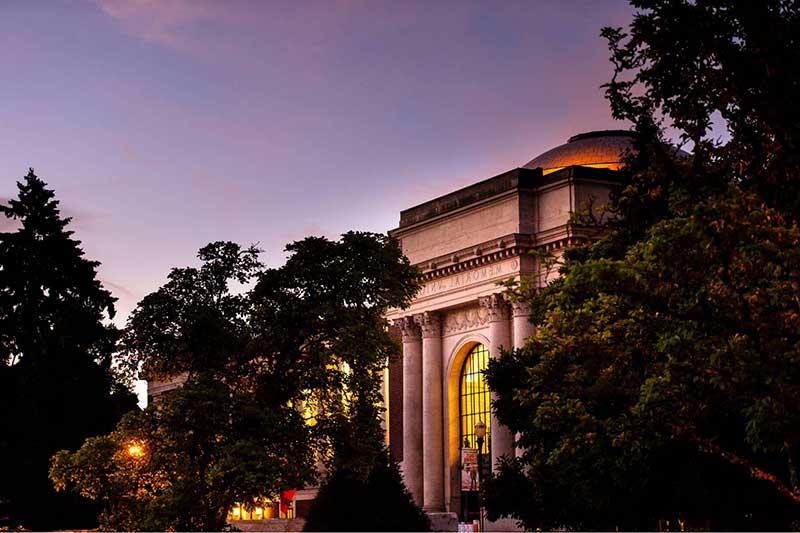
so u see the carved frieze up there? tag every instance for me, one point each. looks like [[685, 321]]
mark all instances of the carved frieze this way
[[465, 319]]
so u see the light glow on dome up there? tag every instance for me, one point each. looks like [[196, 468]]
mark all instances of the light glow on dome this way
[[597, 149]]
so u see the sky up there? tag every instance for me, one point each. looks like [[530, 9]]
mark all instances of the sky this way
[[163, 125]]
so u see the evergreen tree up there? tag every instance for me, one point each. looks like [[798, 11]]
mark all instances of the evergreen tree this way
[[55, 357]]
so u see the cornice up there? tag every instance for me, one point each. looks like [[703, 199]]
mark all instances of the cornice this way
[[484, 253], [495, 250]]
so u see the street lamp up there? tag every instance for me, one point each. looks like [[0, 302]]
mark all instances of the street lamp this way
[[480, 433]]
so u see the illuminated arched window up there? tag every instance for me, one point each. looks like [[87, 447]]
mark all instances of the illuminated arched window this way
[[474, 397]]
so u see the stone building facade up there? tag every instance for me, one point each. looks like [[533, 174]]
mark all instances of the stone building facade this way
[[465, 243]]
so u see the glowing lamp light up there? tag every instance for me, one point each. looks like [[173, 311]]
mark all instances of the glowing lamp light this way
[[480, 429], [237, 512], [135, 450]]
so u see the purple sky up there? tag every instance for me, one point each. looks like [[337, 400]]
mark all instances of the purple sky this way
[[163, 125]]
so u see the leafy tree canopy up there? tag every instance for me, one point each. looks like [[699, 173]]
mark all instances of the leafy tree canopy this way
[[184, 462], [661, 381], [321, 320], [275, 377]]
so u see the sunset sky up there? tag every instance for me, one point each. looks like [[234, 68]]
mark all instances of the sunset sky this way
[[163, 125]]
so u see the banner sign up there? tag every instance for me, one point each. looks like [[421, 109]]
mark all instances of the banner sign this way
[[469, 469]]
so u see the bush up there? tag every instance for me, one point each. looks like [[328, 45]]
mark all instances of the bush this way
[[380, 502]]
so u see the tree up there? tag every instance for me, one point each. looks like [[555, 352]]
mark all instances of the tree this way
[[640, 369], [274, 378], [380, 502], [321, 317], [660, 383], [324, 309], [183, 463], [738, 62], [56, 346], [219, 438]]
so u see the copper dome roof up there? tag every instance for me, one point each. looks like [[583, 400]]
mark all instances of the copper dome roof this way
[[598, 149]]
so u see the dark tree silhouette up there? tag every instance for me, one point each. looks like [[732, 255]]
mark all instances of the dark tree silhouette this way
[[55, 358]]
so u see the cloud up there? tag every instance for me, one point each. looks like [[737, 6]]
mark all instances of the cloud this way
[[119, 291], [164, 22], [126, 300]]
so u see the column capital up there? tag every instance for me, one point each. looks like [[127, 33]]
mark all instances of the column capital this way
[[430, 323], [408, 328], [520, 309], [497, 306]]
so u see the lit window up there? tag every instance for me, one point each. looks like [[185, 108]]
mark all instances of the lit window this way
[[263, 510], [474, 398]]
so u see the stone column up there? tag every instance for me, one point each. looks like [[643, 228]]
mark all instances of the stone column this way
[[499, 339], [432, 422], [523, 328], [411, 465]]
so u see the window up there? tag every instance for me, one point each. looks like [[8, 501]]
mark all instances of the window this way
[[239, 512], [474, 398], [266, 510]]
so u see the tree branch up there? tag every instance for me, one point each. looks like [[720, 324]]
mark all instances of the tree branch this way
[[712, 448]]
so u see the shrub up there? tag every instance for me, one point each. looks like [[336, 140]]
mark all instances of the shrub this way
[[380, 502]]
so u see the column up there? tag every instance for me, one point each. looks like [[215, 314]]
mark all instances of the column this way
[[499, 339], [411, 465], [523, 328], [432, 422]]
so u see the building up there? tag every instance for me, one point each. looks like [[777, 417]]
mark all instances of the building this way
[[466, 242]]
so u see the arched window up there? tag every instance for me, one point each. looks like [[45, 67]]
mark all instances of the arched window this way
[[474, 398]]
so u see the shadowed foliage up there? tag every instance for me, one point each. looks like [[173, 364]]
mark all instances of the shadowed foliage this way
[[380, 502], [661, 383]]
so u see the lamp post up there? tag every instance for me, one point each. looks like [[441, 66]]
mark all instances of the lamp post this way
[[480, 433]]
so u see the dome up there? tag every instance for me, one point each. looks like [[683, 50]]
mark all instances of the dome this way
[[597, 149]]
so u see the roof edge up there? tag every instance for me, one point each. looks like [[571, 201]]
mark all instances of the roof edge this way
[[509, 180], [601, 133]]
